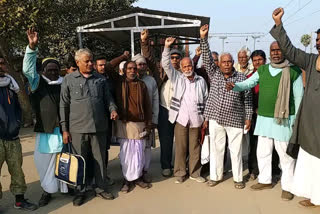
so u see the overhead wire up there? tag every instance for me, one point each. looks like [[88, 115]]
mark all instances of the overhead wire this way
[[297, 11], [303, 17]]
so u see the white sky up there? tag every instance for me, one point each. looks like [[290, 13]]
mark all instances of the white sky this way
[[243, 16]]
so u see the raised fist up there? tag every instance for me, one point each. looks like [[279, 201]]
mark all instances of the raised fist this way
[[144, 35], [169, 41], [204, 31], [277, 15]]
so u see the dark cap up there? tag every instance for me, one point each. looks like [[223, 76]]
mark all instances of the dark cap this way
[[175, 51]]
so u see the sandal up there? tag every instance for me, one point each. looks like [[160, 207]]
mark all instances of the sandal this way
[[212, 183], [239, 185]]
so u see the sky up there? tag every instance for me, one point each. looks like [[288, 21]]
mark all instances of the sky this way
[[246, 16]]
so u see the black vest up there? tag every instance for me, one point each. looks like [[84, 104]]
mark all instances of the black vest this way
[[45, 102]]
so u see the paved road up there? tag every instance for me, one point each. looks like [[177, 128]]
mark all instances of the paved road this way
[[165, 197]]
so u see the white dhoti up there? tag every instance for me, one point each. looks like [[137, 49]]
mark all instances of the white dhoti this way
[[306, 180], [45, 164], [217, 150], [132, 158], [264, 156]]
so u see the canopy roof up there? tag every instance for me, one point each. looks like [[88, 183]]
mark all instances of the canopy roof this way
[[122, 26]]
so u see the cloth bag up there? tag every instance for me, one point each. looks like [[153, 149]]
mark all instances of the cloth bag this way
[[70, 168]]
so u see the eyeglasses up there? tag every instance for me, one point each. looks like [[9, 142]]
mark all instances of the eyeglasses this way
[[176, 57]]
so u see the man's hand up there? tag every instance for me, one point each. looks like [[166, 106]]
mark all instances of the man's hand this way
[[205, 124], [126, 54], [198, 51], [33, 38], [144, 35], [229, 86], [204, 31], [114, 115], [66, 136], [248, 125], [169, 41], [277, 15]]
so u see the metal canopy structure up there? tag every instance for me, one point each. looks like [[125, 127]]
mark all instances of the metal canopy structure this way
[[122, 26]]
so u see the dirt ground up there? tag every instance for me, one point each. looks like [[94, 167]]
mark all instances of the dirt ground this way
[[165, 197]]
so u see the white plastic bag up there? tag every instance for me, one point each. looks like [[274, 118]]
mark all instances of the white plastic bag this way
[[205, 150]]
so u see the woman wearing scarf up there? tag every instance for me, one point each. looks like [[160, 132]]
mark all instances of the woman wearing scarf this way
[[133, 126], [45, 89]]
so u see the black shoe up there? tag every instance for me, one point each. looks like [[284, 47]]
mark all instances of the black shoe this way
[[105, 195], [45, 199], [79, 199], [25, 205]]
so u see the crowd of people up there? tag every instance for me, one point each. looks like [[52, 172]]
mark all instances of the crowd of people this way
[[270, 108]]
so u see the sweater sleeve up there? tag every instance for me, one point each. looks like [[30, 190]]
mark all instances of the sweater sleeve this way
[[64, 105], [210, 67], [155, 102], [166, 65], [297, 92], [29, 68], [293, 54]]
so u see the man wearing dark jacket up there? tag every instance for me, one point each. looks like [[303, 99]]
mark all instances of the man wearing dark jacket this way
[[10, 147], [306, 130]]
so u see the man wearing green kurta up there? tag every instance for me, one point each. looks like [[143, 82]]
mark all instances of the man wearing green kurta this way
[[306, 131]]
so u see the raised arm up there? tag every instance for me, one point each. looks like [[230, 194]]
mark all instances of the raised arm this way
[[116, 61], [29, 67], [207, 59], [148, 53], [165, 60], [293, 54], [196, 57]]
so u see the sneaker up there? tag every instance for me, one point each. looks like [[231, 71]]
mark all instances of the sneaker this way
[[167, 173], [45, 199], [79, 199], [105, 195], [198, 179], [286, 196], [180, 180], [142, 184], [307, 203], [146, 177], [25, 205], [260, 186]]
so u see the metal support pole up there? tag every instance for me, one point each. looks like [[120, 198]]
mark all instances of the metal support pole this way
[[132, 43], [80, 40]]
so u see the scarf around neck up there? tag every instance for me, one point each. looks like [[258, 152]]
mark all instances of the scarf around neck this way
[[281, 110], [8, 80], [55, 82]]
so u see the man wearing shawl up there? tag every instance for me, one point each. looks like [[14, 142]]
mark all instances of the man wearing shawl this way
[[45, 87], [133, 126], [306, 131], [280, 94]]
